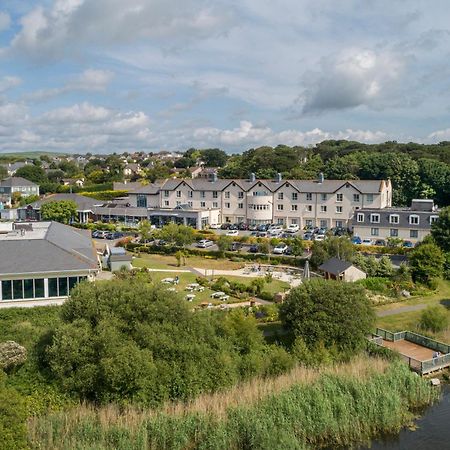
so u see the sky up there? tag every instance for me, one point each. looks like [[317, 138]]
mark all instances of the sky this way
[[106, 76]]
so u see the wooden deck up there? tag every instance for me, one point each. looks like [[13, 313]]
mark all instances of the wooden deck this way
[[410, 349]]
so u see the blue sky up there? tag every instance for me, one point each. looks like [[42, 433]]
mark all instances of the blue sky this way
[[114, 75]]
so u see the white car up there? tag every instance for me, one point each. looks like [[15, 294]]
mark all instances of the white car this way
[[366, 242], [205, 243], [319, 237], [232, 233], [280, 249], [293, 228], [214, 226]]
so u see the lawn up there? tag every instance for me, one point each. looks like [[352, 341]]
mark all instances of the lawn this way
[[170, 262], [273, 287]]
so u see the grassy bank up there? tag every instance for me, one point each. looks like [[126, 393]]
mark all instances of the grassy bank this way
[[301, 410]]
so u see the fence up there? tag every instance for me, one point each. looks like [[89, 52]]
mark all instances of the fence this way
[[427, 342], [435, 363], [389, 336]]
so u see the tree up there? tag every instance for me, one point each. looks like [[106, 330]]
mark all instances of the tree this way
[[214, 157], [434, 318], [339, 247], [32, 173], [224, 243], [297, 246], [3, 172], [180, 235], [440, 229], [426, 262], [145, 229], [63, 211], [333, 312]]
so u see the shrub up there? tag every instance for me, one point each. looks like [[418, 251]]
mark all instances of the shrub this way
[[434, 318]]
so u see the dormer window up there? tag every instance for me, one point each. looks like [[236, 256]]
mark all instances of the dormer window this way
[[414, 219], [394, 218], [360, 217], [375, 218]]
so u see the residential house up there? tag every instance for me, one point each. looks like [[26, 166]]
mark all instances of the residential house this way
[[10, 185], [337, 269]]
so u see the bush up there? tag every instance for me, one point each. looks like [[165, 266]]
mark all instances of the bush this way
[[377, 285], [434, 318]]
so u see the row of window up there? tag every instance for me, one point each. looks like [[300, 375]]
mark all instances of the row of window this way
[[35, 288], [393, 232], [294, 195], [413, 219]]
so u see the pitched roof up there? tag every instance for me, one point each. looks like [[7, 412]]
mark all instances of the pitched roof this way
[[83, 203], [335, 266], [49, 247], [16, 181]]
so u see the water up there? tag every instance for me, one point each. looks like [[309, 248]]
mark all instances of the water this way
[[432, 433]]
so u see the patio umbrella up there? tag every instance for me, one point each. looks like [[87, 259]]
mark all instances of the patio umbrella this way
[[306, 272]]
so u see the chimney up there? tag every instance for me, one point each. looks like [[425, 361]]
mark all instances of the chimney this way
[[321, 177], [278, 178], [252, 178]]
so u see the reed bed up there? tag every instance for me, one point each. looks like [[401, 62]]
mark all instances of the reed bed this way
[[304, 409]]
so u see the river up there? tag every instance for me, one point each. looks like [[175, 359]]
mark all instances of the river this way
[[432, 433]]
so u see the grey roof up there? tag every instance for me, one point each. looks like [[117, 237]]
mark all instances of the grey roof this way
[[117, 251], [119, 210], [126, 186], [146, 189], [335, 266], [403, 214], [83, 203], [61, 248], [16, 181]]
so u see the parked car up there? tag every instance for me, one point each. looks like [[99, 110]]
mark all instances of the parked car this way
[[234, 226], [322, 230], [254, 248], [274, 232], [339, 231], [253, 227], [356, 240], [319, 237], [408, 244], [235, 246], [279, 249], [380, 242], [262, 234], [288, 251], [225, 226], [205, 243], [293, 228], [366, 242], [102, 234], [215, 226], [243, 226], [307, 236], [94, 234], [232, 232]]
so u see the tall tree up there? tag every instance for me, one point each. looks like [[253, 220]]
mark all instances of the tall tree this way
[[440, 229], [63, 211], [32, 173]]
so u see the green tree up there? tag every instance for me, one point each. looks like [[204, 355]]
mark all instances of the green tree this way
[[297, 246], [434, 318], [63, 211], [32, 173], [3, 172], [332, 312], [145, 229], [334, 246], [440, 229], [426, 262], [214, 157], [224, 243]]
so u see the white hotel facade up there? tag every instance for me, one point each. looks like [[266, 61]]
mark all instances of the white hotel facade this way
[[323, 203]]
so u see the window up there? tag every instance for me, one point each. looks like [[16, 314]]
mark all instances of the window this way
[[53, 287], [356, 197], [339, 209], [72, 283], [375, 218], [141, 201], [6, 290], [280, 196], [28, 288], [280, 221], [178, 194], [227, 194], [374, 231], [280, 207], [309, 208], [240, 205], [17, 289], [369, 198], [166, 193], [240, 194], [323, 224], [215, 205], [227, 205], [202, 204], [190, 204], [177, 203], [339, 197], [62, 285], [414, 220], [433, 219], [393, 218], [339, 223], [323, 208], [323, 197], [166, 203], [394, 232], [360, 217], [39, 288], [308, 222], [294, 207], [202, 194], [308, 197], [295, 196], [414, 234], [215, 194], [190, 194]]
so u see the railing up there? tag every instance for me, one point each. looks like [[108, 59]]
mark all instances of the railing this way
[[427, 342], [389, 336], [435, 363], [376, 339]]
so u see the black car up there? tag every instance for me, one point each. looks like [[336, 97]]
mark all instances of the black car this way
[[225, 226], [233, 226], [254, 248], [243, 226]]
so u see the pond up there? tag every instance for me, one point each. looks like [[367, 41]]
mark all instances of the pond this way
[[432, 433]]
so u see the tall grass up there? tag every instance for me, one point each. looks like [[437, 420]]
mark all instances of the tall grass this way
[[301, 410]]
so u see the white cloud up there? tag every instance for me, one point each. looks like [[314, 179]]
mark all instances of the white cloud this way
[[9, 82], [69, 24], [5, 21]]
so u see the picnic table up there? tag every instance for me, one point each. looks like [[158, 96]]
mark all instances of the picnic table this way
[[217, 294]]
